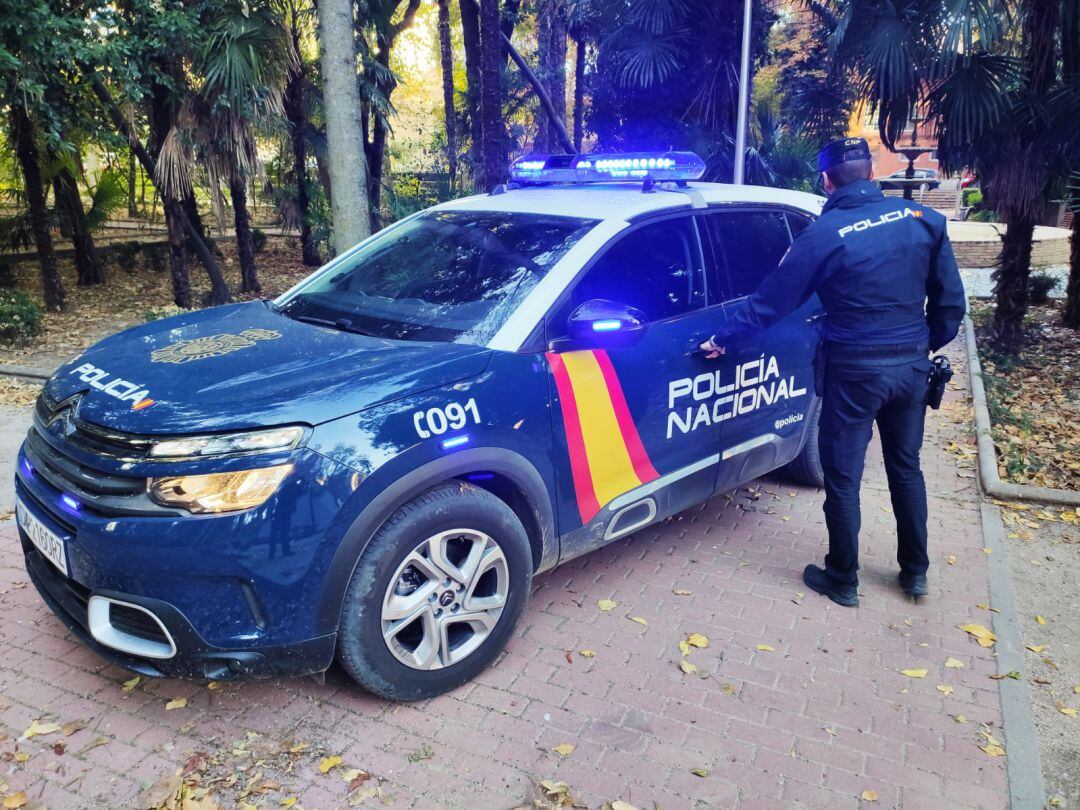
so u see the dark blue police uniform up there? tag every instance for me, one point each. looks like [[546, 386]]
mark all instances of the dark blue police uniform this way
[[885, 273]]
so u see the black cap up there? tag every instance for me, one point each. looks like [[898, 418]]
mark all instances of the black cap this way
[[842, 151]]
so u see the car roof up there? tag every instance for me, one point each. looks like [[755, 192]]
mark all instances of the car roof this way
[[627, 201]]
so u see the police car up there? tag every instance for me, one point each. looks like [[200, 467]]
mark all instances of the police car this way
[[375, 465]]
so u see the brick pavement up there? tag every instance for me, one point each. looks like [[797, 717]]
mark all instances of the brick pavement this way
[[816, 720]]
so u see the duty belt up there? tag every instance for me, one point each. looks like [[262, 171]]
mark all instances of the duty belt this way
[[840, 351]]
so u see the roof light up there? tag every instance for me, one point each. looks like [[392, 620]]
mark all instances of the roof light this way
[[599, 168]]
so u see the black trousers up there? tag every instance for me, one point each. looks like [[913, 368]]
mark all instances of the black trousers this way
[[857, 394]]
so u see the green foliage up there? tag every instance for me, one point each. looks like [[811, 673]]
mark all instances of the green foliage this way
[[972, 197], [157, 313], [107, 197], [982, 215], [20, 317], [124, 254], [1040, 287], [258, 239]]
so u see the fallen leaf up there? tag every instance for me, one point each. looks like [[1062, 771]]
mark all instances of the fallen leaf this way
[[914, 673], [215, 685], [1077, 689], [129, 685], [569, 655], [951, 559], [72, 727], [987, 550], [301, 746], [687, 667], [95, 743], [21, 756], [607, 605], [15, 800], [954, 663], [985, 637], [289, 802], [987, 607], [993, 750], [702, 772], [765, 648], [959, 718], [1036, 648], [587, 654], [37, 729], [869, 796], [327, 763], [697, 640], [165, 792], [727, 688], [684, 647], [176, 703], [564, 749], [639, 620], [1067, 710], [619, 804], [945, 689], [681, 592]]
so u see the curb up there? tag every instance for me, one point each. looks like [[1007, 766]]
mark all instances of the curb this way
[[989, 479], [1026, 788], [25, 373]]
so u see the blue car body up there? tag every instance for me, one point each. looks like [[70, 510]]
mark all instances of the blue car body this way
[[586, 444]]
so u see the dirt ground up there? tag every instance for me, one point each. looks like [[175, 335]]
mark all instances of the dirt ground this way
[[1046, 580]]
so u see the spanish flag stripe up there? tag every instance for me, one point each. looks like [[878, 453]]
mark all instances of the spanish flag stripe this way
[[609, 462], [638, 456], [579, 462]]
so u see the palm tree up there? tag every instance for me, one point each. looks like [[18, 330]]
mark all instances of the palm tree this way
[[296, 112], [446, 64]]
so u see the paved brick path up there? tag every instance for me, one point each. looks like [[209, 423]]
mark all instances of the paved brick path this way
[[817, 720]]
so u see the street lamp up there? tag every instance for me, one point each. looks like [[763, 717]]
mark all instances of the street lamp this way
[[739, 175]]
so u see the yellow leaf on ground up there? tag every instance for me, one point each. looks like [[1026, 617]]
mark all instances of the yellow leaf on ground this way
[[954, 663], [681, 592], [15, 800], [914, 673], [987, 549], [959, 718], [327, 763], [702, 772], [697, 640], [765, 648], [619, 804], [1040, 619], [639, 620], [1067, 710], [289, 802], [993, 750], [176, 703], [129, 685], [350, 774], [21, 756], [869, 796], [687, 667], [945, 689], [951, 559], [72, 727], [1036, 647], [684, 647], [564, 749], [727, 688], [300, 746], [1077, 689], [985, 637], [587, 654], [37, 729], [607, 605]]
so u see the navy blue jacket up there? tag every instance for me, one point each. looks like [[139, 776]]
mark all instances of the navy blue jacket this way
[[882, 266]]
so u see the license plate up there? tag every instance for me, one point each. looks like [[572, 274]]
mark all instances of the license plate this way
[[48, 542]]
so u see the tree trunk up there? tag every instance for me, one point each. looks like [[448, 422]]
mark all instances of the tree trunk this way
[[470, 39], [178, 272], [551, 48], [1011, 285], [87, 262], [132, 210], [579, 90], [295, 105], [507, 23], [27, 153], [245, 244], [446, 61], [377, 152], [344, 132], [493, 132], [1071, 315]]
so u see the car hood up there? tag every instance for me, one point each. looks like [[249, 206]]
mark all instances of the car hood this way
[[245, 365]]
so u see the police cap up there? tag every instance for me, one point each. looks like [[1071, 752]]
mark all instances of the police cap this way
[[842, 151]]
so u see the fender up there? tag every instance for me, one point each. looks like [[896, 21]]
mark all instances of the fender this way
[[410, 484]]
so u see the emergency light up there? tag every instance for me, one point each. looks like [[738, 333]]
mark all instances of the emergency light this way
[[600, 168]]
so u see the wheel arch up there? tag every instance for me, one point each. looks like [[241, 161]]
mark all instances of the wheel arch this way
[[513, 479]]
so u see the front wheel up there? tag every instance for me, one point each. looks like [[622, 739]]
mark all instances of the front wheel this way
[[806, 467], [436, 594]]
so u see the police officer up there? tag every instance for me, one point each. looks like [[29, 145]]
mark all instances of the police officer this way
[[885, 273]]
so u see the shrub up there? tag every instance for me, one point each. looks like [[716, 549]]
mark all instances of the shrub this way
[[124, 254], [1041, 286], [258, 239], [972, 197], [7, 271], [157, 257], [20, 317], [982, 215]]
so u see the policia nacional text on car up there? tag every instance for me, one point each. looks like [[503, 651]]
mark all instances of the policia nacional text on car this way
[[885, 273]]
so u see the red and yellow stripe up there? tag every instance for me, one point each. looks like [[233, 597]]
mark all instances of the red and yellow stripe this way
[[607, 457]]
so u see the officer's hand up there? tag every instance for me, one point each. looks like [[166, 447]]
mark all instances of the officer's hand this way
[[712, 351]]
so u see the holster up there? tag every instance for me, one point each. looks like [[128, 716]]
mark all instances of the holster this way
[[940, 374]]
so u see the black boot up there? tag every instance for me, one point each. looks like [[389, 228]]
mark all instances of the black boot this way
[[817, 579], [913, 584]]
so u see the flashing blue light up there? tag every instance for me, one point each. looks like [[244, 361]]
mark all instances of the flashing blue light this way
[[607, 326], [598, 168], [456, 441], [70, 502]]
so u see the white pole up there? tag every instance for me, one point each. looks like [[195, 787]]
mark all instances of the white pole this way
[[744, 92]]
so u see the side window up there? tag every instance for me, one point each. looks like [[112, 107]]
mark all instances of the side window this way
[[797, 223], [655, 268], [748, 245]]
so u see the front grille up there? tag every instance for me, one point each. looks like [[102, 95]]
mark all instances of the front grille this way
[[92, 438], [136, 623]]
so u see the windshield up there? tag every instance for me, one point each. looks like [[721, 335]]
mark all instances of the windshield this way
[[452, 276]]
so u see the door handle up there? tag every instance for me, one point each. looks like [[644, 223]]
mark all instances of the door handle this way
[[816, 317]]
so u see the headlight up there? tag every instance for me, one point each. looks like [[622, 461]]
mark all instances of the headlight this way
[[218, 492], [284, 438]]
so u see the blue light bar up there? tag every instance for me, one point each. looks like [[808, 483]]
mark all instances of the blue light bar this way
[[456, 441], [607, 326], [600, 168]]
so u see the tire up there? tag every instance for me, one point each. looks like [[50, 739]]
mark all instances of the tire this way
[[806, 467], [437, 636]]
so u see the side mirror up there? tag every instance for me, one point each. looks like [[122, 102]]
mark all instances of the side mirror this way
[[602, 324]]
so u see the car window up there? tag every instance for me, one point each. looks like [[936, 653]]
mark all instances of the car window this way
[[797, 223], [748, 245], [453, 276], [654, 268]]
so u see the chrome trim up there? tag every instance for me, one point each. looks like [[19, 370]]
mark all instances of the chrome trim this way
[[613, 533], [637, 493], [750, 444], [101, 628]]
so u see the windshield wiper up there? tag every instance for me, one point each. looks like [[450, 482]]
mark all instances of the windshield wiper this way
[[341, 324]]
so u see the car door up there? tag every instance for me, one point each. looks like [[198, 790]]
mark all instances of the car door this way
[[630, 444], [767, 378]]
